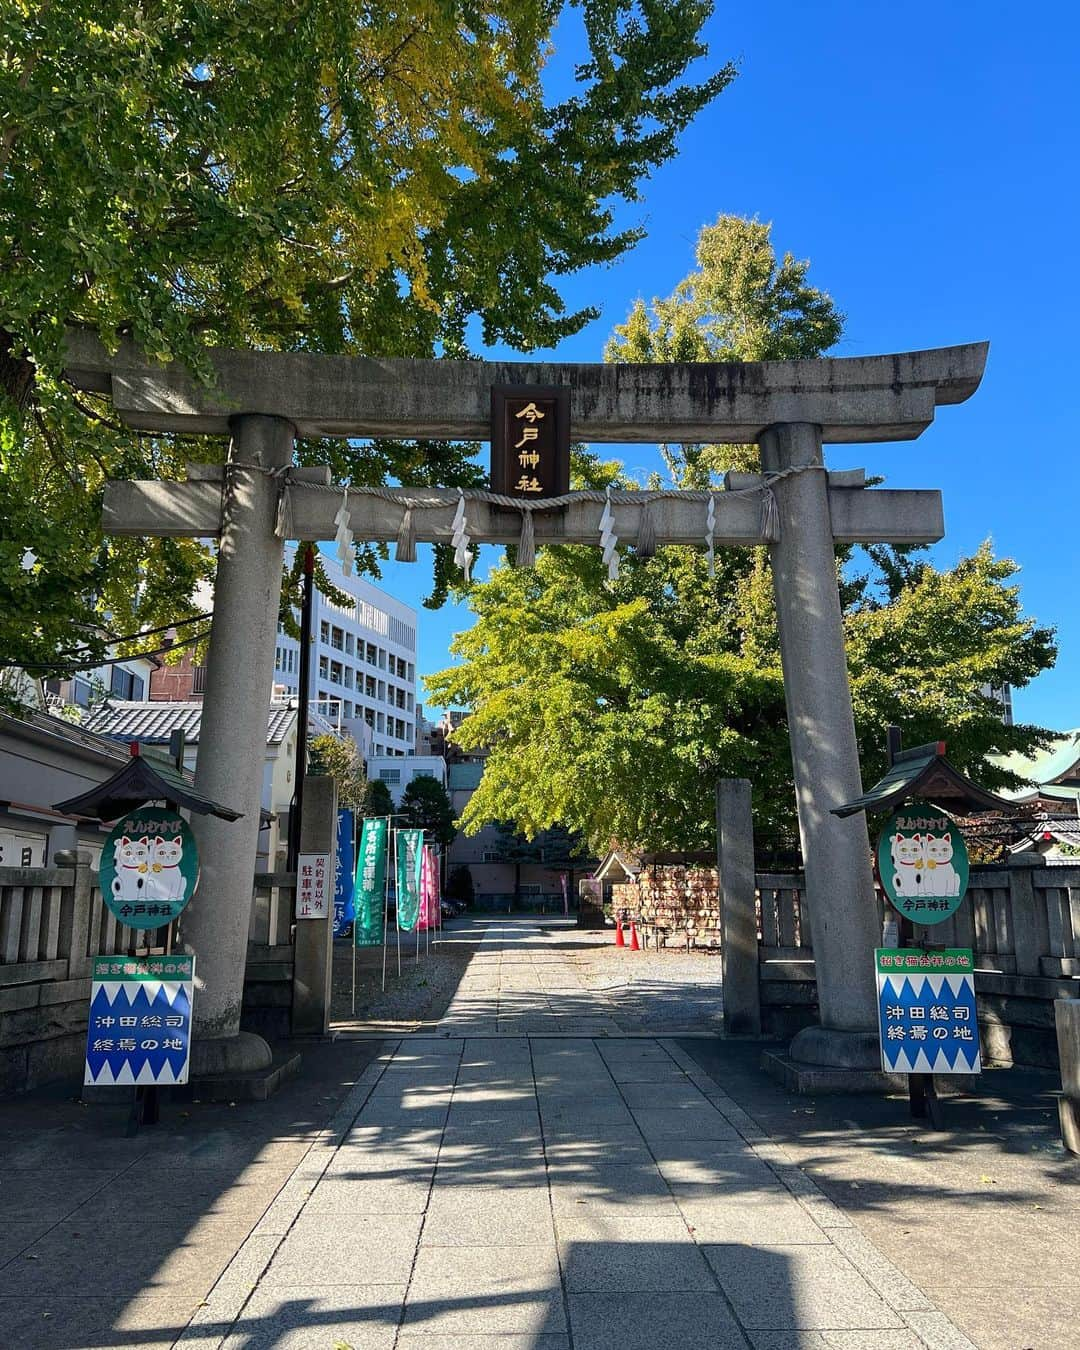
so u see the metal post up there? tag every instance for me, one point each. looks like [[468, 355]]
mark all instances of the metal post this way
[[304, 695]]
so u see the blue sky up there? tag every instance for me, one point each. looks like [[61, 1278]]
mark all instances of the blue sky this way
[[924, 157]]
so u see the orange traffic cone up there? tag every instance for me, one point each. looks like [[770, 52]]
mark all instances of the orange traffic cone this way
[[635, 945], [619, 939]]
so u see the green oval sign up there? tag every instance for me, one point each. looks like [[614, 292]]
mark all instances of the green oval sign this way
[[923, 863], [149, 867]]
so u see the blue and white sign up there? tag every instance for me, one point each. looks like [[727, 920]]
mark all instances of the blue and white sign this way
[[927, 1017], [344, 879], [139, 1029]]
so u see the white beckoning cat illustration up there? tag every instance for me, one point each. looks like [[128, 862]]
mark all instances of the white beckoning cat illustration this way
[[166, 881], [132, 868], [909, 864], [942, 877]]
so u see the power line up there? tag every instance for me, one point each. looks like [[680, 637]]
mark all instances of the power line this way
[[147, 632], [106, 661]]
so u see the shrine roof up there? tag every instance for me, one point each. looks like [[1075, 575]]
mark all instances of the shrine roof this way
[[145, 777], [923, 771]]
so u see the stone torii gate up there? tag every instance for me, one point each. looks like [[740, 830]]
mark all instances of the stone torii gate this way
[[264, 400]]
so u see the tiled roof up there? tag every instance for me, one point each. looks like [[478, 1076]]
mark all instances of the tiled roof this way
[[923, 771], [153, 723], [1060, 761]]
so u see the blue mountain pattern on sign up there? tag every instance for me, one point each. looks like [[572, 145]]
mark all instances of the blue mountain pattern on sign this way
[[139, 1026], [935, 1015]]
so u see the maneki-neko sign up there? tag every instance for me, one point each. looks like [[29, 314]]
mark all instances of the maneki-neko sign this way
[[149, 867], [922, 863]]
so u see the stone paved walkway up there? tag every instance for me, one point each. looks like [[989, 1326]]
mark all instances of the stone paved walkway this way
[[547, 977], [505, 1185], [553, 1192]]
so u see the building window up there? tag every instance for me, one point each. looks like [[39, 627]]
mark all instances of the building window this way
[[369, 718], [324, 667], [198, 680], [491, 855], [349, 645], [337, 639], [423, 773], [390, 776], [380, 724], [348, 677], [335, 672], [371, 655], [126, 685], [324, 632], [346, 709], [369, 686]]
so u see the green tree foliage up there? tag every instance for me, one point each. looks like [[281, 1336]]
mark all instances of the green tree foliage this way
[[339, 757], [612, 708], [329, 177], [425, 805], [377, 799]]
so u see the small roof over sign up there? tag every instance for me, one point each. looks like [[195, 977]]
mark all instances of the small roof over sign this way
[[924, 771], [146, 777]]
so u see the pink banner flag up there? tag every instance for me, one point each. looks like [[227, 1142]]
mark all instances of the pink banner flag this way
[[428, 891]]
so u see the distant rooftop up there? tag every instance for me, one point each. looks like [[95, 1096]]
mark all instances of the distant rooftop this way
[[154, 723], [1060, 763]]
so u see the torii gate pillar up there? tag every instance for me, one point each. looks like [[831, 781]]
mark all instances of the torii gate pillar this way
[[824, 755], [232, 740]]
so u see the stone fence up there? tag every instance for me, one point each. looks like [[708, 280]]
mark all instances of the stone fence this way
[[53, 922], [1021, 920]]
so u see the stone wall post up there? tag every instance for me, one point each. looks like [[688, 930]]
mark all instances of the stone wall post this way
[[824, 755], [738, 910], [1031, 938], [75, 924], [232, 739], [313, 955]]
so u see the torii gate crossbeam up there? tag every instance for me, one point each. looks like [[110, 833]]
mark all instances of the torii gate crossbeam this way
[[264, 400]]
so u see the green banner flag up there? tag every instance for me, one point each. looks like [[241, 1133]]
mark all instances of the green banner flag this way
[[410, 857], [371, 884]]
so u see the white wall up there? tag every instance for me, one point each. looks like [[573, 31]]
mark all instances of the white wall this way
[[397, 772]]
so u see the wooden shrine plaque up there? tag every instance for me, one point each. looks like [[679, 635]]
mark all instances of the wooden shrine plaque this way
[[530, 440]]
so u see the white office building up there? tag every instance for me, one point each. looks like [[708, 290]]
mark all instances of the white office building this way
[[363, 664]]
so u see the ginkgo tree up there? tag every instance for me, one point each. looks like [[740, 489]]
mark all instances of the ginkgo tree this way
[[327, 176], [612, 708]]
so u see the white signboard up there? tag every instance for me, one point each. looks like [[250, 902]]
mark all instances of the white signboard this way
[[314, 886]]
